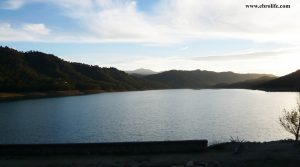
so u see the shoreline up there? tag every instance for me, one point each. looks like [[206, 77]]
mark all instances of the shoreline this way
[[16, 96], [8, 96]]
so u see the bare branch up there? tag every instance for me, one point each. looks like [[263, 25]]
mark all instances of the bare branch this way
[[290, 120]]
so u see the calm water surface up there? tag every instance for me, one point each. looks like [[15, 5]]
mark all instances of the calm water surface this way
[[181, 114]]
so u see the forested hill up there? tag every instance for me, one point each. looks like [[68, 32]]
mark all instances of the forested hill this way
[[37, 71], [290, 82], [200, 79]]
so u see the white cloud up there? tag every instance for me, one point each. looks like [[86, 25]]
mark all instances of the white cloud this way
[[7, 33], [36, 29], [279, 62], [184, 48], [15, 4], [175, 21], [113, 20], [248, 55], [28, 32], [230, 19]]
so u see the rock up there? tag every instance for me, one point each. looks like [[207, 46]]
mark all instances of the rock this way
[[190, 164]]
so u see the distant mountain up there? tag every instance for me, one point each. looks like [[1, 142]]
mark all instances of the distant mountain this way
[[199, 79], [141, 71], [37, 71], [290, 82]]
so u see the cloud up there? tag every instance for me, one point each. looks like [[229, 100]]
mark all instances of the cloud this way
[[279, 62], [7, 33], [15, 4], [28, 32], [36, 29], [184, 48], [176, 21], [114, 20], [230, 19], [246, 56]]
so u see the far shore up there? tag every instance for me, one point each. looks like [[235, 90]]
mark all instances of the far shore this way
[[8, 96], [14, 96]]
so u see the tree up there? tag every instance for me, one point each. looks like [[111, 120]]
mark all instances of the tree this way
[[290, 120]]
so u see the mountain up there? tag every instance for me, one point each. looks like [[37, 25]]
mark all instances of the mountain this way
[[199, 79], [290, 82], [37, 71], [141, 71], [247, 84]]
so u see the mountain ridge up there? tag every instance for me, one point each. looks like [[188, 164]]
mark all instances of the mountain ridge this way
[[35, 71], [289, 82], [199, 78]]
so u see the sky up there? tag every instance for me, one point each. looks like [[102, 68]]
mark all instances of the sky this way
[[160, 35]]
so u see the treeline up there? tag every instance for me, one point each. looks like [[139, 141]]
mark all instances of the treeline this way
[[37, 71]]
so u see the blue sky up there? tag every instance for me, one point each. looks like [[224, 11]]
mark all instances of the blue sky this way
[[156, 34]]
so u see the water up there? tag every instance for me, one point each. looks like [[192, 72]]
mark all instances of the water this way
[[180, 114]]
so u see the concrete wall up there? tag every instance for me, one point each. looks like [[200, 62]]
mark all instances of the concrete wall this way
[[105, 148]]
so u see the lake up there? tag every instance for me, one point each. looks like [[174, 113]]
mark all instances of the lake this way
[[179, 114]]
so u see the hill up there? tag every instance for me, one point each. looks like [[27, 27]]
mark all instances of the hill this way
[[247, 84], [37, 71], [141, 71], [199, 79], [290, 82]]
